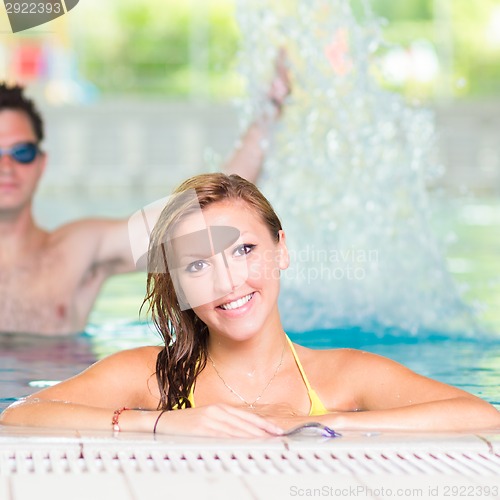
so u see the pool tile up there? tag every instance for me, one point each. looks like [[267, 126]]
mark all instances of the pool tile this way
[[284, 487], [441, 487], [70, 486], [202, 486], [4, 487], [355, 440]]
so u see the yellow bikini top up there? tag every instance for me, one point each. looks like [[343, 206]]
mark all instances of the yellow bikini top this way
[[317, 406]]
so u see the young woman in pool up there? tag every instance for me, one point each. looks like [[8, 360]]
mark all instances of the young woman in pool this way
[[215, 259]]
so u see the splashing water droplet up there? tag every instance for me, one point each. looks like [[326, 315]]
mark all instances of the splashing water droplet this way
[[347, 173]]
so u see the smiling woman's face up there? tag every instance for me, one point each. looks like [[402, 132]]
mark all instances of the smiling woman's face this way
[[228, 266]]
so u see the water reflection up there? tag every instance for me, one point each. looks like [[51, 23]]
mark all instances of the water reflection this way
[[28, 362]]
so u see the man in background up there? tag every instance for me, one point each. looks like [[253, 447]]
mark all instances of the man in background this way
[[50, 280]]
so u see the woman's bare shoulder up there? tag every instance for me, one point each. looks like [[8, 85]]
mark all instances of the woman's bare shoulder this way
[[343, 362], [137, 358], [130, 364], [334, 355], [125, 378], [340, 376]]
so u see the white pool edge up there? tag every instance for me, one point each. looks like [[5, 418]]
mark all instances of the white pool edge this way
[[82, 465]]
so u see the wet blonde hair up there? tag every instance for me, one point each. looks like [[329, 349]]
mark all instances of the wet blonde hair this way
[[185, 336]]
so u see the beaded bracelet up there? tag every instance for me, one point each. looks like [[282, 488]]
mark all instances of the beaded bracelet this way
[[116, 418]]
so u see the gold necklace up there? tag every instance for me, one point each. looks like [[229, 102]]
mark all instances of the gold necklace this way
[[252, 404]]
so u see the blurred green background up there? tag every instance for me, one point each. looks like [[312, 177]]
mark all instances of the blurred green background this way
[[107, 73], [189, 48], [436, 50]]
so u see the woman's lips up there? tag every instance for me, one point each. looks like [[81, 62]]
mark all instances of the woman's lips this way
[[237, 303]]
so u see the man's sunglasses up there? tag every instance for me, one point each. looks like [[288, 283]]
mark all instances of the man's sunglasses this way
[[21, 153]]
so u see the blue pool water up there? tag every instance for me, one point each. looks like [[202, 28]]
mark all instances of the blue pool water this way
[[348, 172], [27, 363], [464, 358]]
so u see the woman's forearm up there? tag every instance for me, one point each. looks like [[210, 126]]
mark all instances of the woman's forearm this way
[[66, 415], [457, 414], [213, 420]]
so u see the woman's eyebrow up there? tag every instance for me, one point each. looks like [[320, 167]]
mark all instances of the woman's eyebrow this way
[[203, 243], [248, 233]]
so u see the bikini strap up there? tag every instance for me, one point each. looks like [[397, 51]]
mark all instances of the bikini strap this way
[[299, 365], [191, 396]]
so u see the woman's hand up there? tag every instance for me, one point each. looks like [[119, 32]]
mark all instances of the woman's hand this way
[[219, 420], [286, 417]]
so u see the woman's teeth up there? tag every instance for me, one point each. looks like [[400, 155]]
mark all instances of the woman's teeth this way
[[236, 303]]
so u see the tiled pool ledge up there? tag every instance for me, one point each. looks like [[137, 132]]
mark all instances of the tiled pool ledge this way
[[92, 465]]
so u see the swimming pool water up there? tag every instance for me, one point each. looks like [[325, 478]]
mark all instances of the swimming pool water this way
[[27, 363], [464, 359]]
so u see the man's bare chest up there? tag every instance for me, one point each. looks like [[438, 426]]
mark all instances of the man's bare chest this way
[[36, 296]]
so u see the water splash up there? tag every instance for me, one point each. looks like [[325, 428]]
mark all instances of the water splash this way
[[347, 173]]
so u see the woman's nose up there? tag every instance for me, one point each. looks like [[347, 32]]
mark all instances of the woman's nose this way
[[230, 274], [224, 282]]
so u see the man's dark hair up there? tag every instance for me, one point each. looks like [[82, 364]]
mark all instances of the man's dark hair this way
[[14, 99]]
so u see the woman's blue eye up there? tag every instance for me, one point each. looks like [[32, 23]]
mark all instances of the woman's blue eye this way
[[244, 249], [196, 266], [201, 265]]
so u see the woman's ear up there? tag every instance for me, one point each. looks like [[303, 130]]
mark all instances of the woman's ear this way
[[284, 257]]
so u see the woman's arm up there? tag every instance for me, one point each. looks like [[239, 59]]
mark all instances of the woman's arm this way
[[213, 420], [88, 400], [388, 396], [392, 396], [397, 398], [454, 414], [126, 380]]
